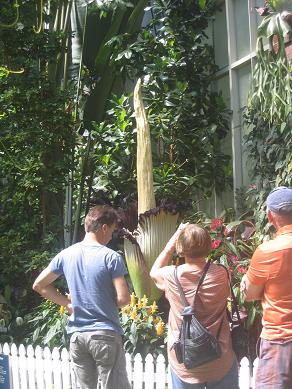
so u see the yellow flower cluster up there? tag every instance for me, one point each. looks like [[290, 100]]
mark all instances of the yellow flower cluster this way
[[159, 328], [139, 311], [62, 308]]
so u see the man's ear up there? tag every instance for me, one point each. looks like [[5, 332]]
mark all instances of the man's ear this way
[[270, 216], [104, 228]]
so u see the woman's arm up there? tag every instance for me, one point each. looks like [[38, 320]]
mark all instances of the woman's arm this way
[[156, 272]]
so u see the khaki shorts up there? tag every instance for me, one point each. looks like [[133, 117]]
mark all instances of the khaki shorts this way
[[275, 364], [99, 354]]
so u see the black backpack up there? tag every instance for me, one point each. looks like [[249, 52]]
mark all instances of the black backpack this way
[[196, 345]]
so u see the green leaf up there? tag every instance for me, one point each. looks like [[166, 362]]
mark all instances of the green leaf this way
[[202, 4], [251, 316]]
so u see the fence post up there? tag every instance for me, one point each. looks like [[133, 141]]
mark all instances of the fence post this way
[[160, 372], [6, 351], [22, 366], [65, 369], [48, 368], [244, 378], [149, 372], [56, 369], [31, 367], [129, 367], [169, 381], [73, 377], [40, 367], [138, 372], [14, 366], [254, 371]]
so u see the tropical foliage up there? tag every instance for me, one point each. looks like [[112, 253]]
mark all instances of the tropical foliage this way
[[187, 120], [37, 136], [50, 149], [233, 245], [269, 117], [45, 326], [144, 328]]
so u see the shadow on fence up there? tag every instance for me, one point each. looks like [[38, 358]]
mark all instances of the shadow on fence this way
[[40, 368]]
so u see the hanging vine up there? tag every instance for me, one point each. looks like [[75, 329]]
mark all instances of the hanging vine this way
[[38, 29], [12, 24]]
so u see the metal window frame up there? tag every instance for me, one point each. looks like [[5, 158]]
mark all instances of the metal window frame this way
[[232, 70]]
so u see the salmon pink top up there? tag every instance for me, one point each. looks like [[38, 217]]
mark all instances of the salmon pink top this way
[[210, 310]]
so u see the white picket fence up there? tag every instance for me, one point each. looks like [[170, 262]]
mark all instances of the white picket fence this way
[[42, 369]]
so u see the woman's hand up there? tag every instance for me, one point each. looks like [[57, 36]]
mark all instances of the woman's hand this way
[[170, 246]]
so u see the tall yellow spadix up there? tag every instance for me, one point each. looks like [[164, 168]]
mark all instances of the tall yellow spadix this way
[[155, 225], [146, 199]]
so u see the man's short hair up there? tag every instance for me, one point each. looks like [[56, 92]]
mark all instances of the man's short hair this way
[[99, 215], [280, 200], [193, 242]]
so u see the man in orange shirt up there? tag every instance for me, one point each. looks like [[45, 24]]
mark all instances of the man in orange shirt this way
[[269, 279]]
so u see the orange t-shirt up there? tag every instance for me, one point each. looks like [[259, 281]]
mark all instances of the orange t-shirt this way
[[271, 266], [210, 310]]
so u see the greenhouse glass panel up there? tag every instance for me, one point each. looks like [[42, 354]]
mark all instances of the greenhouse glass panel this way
[[220, 38], [241, 28]]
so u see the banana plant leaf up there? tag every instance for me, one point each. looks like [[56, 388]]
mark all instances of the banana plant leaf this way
[[96, 54]]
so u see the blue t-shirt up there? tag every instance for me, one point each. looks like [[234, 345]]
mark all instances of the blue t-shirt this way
[[89, 270]]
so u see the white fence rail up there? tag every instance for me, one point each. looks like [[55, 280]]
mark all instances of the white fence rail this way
[[39, 368]]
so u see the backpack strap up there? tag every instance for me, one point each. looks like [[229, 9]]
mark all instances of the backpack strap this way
[[181, 293], [201, 280], [183, 298]]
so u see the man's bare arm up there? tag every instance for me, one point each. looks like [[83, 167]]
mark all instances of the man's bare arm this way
[[251, 291], [123, 295], [43, 286]]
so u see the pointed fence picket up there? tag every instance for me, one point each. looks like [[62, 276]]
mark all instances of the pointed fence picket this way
[[42, 369]]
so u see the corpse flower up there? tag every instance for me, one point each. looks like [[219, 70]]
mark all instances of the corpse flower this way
[[155, 224]]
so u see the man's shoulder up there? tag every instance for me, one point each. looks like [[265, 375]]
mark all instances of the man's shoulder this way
[[70, 249], [275, 244], [109, 253]]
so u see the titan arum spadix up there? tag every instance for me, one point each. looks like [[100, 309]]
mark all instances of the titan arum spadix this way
[[155, 224]]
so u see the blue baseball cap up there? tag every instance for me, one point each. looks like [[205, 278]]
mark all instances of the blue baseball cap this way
[[280, 200]]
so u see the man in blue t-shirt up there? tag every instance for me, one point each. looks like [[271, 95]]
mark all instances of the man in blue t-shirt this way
[[96, 282]]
